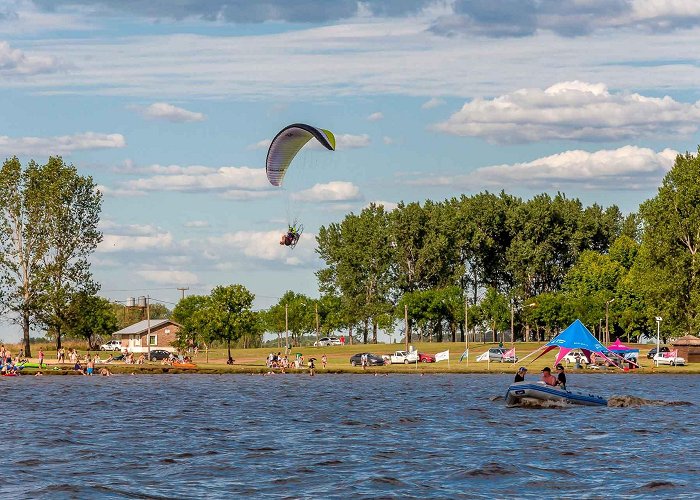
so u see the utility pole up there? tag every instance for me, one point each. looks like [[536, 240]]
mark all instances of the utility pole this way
[[317, 326], [512, 323], [405, 318], [286, 329], [607, 332], [183, 291], [148, 327], [466, 321]]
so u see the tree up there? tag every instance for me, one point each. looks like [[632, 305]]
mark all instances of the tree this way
[[227, 315], [91, 318], [48, 229], [184, 314], [295, 312], [668, 262]]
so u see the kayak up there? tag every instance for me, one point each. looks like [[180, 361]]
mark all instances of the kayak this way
[[543, 392], [187, 366], [10, 375]]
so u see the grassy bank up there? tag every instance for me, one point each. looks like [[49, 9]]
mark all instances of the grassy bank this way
[[253, 361]]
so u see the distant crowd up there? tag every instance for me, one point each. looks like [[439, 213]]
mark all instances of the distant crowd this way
[[283, 363]]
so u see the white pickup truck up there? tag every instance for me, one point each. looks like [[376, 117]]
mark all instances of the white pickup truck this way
[[404, 357]]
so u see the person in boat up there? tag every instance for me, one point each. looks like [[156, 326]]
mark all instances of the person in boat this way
[[520, 375], [548, 378], [561, 376]]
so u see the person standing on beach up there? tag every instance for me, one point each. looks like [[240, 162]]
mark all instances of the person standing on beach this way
[[90, 366], [324, 359], [41, 358], [312, 366]]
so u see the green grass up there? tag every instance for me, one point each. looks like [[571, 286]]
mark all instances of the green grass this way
[[253, 361]]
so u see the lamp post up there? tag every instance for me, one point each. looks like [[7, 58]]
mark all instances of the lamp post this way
[[286, 329], [607, 332], [658, 336]]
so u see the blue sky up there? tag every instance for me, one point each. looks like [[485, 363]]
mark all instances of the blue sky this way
[[170, 105]]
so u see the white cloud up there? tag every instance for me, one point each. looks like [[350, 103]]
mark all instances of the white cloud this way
[[264, 245], [132, 237], [203, 179], [387, 140], [349, 141], [14, 62], [62, 145], [628, 168], [168, 277], [197, 224], [165, 111], [433, 102], [264, 144], [388, 205], [375, 117], [335, 191], [575, 111]]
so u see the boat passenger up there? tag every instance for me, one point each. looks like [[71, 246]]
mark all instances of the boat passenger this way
[[561, 376], [520, 376], [548, 378]]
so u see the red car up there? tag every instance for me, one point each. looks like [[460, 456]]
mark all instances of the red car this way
[[426, 358]]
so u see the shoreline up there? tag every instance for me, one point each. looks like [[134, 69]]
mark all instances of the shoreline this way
[[124, 369]]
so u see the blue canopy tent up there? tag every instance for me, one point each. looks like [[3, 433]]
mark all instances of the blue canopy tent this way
[[576, 336]]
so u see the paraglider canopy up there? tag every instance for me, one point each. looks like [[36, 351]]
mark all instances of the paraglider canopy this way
[[287, 143]]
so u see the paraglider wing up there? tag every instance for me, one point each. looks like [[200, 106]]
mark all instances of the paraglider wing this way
[[287, 144]]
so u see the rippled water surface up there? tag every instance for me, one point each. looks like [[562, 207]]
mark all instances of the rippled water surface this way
[[338, 436]]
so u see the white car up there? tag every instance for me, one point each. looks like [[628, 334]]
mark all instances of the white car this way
[[671, 360], [496, 355], [571, 357], [112, 345], [326, 341], [404, 357]]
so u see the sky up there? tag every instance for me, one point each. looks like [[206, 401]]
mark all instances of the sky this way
[[170, 106]]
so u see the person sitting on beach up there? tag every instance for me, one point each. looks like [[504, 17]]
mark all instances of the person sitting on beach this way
[[229, 361], [548, 378], [520, 376], [78, 368], [109, 359]]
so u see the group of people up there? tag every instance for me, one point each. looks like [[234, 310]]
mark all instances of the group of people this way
[[547, 377], [282, 363]]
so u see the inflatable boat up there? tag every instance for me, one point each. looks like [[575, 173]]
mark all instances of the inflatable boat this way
[[543, 392]]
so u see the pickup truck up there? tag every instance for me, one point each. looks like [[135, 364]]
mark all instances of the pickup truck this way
[[404, 357]]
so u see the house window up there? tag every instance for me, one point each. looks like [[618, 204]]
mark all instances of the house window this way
[[153, 340]]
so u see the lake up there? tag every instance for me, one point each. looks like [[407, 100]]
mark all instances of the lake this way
[[336, 436]]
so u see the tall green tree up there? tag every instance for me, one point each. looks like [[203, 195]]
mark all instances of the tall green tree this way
[[228, 315], [48, 229], [91, 318], [292, 315], [668, 262], [184, 314]]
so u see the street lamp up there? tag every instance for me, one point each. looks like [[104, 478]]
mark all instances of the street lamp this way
[[607, 332], [658, 336]]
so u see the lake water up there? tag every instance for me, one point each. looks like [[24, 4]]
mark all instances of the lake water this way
[[337, 436]]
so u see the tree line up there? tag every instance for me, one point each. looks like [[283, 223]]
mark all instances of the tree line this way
[[464, 265]]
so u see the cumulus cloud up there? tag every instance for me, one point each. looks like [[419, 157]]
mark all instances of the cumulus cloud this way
[[15, 62], [168, 112], [388, 205], [264, 245], [263, 144], [575, 111], [168, 276], [387, 140], [349, 141], [200, 179], [59, 145], [335, 191], [628, 167], [375, 117], [433, 102], [132, 238]]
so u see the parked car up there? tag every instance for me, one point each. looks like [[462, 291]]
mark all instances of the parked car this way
[[326, 341], [571, 357], [426, 358], [159, 354], [112, 345], [652, 352], [662, 359], [372, 359], [404, 357], [495, 354]]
